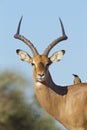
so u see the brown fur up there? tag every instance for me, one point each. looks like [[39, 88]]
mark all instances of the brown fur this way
[[67, 104]]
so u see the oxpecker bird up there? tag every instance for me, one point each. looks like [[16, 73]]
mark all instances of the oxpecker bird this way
[[77, 80]]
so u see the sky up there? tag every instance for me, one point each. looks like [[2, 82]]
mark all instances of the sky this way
[[41, 26]]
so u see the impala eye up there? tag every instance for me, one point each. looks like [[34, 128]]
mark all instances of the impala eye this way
[[32, 64], [48, 64]]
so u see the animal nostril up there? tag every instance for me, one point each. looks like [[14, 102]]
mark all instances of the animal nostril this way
[[41, 75]]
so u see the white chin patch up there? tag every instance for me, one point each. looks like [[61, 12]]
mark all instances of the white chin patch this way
[[38, 85], [40, 79]]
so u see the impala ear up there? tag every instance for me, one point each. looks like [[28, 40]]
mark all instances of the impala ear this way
[[24, 56], [57, 56]]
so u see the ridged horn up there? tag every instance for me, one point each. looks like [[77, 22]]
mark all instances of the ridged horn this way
[[25, 40], [56, 41]]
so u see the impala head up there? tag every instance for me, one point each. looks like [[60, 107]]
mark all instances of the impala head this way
[[40, 63]]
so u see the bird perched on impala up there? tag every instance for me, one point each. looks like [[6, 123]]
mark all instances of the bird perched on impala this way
[[77, 80]]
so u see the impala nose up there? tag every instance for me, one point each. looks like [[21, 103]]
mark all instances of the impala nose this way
[[41, 75]]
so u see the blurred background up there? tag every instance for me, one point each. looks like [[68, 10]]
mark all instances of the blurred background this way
[[19, 108]]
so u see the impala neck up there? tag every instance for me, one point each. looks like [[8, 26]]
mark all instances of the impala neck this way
[[61, 90]]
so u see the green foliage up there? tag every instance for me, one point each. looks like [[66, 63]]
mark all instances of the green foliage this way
[[15, 112]]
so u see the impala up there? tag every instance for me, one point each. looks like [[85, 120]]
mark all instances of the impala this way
[[67, 104]]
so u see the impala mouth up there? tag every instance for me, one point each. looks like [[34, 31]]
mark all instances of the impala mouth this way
[[41, 78]]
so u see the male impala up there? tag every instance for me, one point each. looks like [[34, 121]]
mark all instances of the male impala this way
[[67, 104]]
